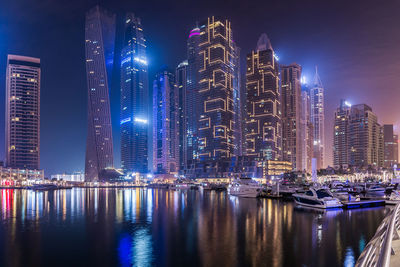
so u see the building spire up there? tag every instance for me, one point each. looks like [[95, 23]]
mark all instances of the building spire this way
[[263, 43], [317, 80]]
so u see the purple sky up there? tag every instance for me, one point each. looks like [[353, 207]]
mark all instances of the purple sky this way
[[354, 43]]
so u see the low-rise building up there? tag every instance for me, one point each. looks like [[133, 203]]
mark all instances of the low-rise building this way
[[75, 177]]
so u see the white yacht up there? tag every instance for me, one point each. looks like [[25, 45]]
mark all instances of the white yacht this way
[[317, 198], [245, 187], [375, 191], [394, 198]]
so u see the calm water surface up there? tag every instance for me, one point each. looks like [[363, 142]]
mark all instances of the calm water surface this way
[[154, 227]]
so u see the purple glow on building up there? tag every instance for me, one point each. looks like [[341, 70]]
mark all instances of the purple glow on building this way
[[195, 31]]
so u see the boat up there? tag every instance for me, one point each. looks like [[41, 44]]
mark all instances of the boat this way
[[394, 198], [284, 190], [317, 198], [245, 187], [375, 191], [205, 186], [341, 194]]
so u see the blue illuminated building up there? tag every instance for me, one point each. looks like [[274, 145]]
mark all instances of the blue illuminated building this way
[[165, 124], [135, 117]]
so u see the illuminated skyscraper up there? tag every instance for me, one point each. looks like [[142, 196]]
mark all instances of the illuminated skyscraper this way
[[340, 135], [263, 121], [218, 91], [396, 148], [291, 113], [390, 146], [99, 51], [181, 84], [318, 119], [365, 137], [165, 124], [23, 112], [134, 98], [306, 132], [192, 101]]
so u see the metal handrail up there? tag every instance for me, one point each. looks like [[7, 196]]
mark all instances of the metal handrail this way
[[379, 248]]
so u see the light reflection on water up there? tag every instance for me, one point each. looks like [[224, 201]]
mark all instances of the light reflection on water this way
[[143, 227]]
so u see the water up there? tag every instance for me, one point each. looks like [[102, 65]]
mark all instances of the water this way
[[154, 227]]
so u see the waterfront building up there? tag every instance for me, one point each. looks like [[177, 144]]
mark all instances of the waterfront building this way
[[16, 174], [306, 132], [181, 75], [365, 137], [291, 112], [99, 52], [340, 135], [23, 112], [263, 131], [217, 92], [396, 148], [192, 101], [75, 177], [390, 146], [358, 137], [135, 118], [318, 119], [165, 124]]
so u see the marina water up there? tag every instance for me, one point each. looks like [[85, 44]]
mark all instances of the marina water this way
[[160, 227]]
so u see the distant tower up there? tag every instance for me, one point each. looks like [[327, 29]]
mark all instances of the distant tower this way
[[263, 115], [99, 50], [23, 112], [291, 113], [365, 137], [390, 146], [340, 135], [217, 91], [181, 75], [306, 131], [135, 118], [165, 124], [192, 101], [318, 119]]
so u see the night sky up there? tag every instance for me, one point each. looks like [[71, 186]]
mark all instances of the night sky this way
[[356, 45]]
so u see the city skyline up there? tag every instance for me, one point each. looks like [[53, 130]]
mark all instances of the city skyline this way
[[74, 164]]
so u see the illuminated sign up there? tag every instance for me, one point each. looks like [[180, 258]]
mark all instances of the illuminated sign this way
[[125, 120], [142, 61], [144, 121]]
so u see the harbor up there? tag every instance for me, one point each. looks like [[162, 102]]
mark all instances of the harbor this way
[[199, 227]]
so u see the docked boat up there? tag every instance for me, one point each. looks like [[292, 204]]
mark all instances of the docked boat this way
[[340, 194], [317, 198], [245, 187], [394, 198], [375, 191]]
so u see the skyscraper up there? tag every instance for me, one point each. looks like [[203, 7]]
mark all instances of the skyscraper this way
[[340, 135], [217, 90], [318, 119], [396, 148], [99, 51], [192, 101], [165, 124], [390, 146], [263, 119], [291, 111], [306, 132], [365, 137], [134, 98], [23, 112], [181, 84]]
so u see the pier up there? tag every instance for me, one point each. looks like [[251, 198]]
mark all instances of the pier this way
[[383, 250]]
